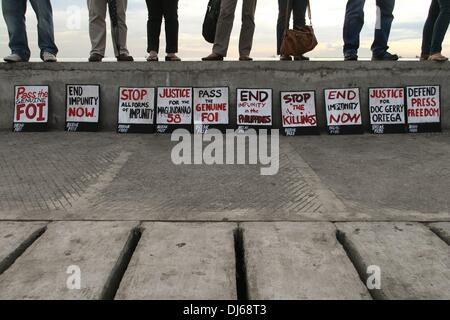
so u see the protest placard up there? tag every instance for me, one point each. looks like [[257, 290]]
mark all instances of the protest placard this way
[[298, 113], [387, 110], [343, 110], [174, 109], [211, 109], [136, 110], [423, 104], [30, 108], [254, 108], [82, 107]]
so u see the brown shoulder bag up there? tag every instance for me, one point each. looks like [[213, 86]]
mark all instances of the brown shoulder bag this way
[[298, 41]]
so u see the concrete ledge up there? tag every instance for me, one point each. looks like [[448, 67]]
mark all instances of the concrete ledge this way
[[281, 76]]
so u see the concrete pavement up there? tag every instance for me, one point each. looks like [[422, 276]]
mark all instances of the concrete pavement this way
[[138, 226]]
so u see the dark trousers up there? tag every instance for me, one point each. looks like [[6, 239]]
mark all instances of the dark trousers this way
[[14, 14], [436, 26], [354, 21], [298, 8], [157, 9]]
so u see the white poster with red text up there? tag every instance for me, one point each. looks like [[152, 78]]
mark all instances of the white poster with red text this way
[[254, 107], [298, 109], [83, 107], [174, 106], [30, 108], [343, 110]]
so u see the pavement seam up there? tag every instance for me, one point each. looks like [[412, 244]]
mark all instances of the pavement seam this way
[[13, 256]]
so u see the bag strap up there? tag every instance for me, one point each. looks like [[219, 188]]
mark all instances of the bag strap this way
[[288, 13], [309, 13]]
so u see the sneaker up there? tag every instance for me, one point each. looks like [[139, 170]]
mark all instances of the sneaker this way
[[350, 57], [213, 57], [13, 58], [49, 57], [385, 57], [437, 57], [95, 57], [125, 58]]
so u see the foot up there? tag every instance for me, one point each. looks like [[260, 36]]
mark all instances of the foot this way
[[245, 58], [172, 57], [385, 57], [95, 57], [49, 57], [125, 58], [350, 57], [13, 58], [424, 56], [301, 58], [437, 57], [285, 58], [213, 57]]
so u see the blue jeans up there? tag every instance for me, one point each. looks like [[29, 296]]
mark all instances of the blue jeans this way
[[354, 21], [14, 14], [436, 26]]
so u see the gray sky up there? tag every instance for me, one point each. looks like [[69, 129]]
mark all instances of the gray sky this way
[[72, 37]]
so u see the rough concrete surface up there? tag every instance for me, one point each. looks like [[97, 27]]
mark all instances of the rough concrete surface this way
[[298, 261], [182, 261], [41, 272], [105, 176], [414, 262], [262, 74], [442, 229], [15, 237]]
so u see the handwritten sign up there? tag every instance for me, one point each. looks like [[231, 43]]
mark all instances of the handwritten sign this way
[[174, 108], [211, 108], [30, 108], [83, 107], [343, 109], [423, 108], [298, 111], [387, 110], [136, 110], [254, 107]]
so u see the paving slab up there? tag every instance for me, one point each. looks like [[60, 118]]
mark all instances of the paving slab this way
[[15, 238], [41, 272], [182, 261], [442, 229], [298, 261], [414, 262]]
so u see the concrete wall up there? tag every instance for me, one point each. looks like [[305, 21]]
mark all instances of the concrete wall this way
[[281, 76]]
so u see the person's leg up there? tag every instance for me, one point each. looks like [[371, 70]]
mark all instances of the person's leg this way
[[428, 28], [97, 26], [299, 12], [281, 23], [248, 27], [14, 14], [385, 17], [155, 13], [354, 21], [224, 27], [46, 33], [171, 25], [440, 27], [120, 30]]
